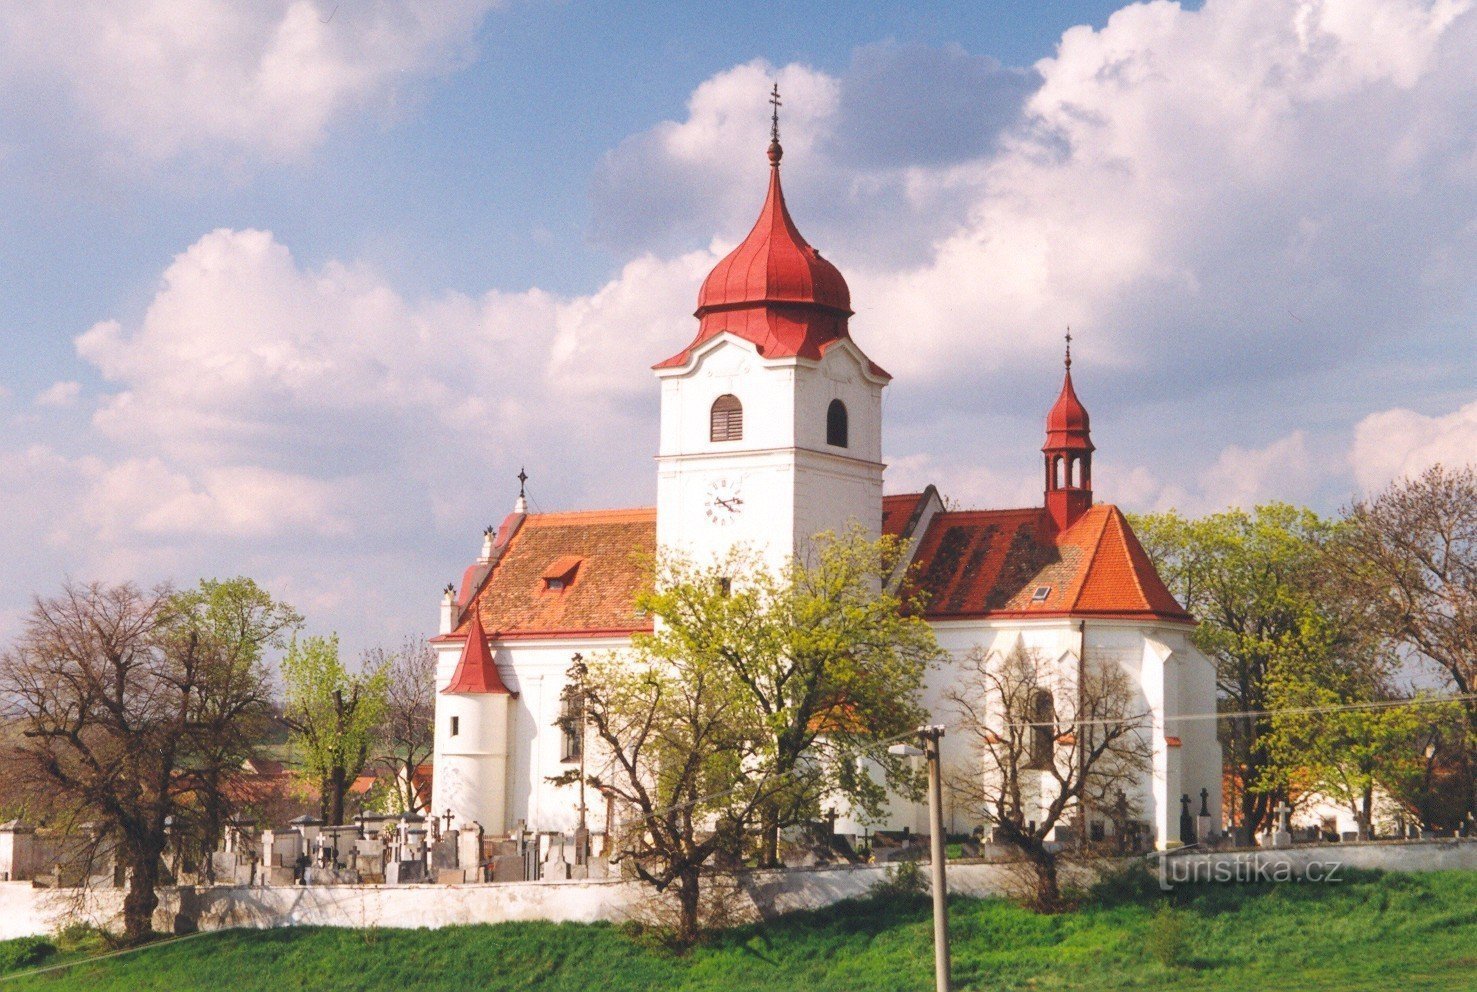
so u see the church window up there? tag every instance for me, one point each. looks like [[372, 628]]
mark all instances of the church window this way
[[456, 725], [836, 424], [570, 724], [1042, 730], [726, 422]]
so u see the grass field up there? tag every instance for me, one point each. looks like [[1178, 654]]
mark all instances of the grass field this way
[[1410, 933]]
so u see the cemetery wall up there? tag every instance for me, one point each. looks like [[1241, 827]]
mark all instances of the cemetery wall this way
[[25, 910]]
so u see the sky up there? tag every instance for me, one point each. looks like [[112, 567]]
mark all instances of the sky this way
[[292, 289]]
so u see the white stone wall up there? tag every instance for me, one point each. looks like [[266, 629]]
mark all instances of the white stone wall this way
[[537, 671], [26, 911], [1159, 657], [1173, 679]]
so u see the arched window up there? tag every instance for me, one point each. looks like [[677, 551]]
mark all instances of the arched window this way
[[726, 423], [836, 424], [1043, 729]]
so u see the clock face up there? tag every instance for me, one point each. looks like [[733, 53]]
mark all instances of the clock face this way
[[724, 502]]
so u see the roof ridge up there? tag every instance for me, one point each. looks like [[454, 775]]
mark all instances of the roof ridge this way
[[616, 515], [1097, 547], [1115, 516]]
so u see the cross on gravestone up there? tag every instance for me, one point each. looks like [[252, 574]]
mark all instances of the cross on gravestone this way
[[1187, 822], [1204, 801], [1284, 812]]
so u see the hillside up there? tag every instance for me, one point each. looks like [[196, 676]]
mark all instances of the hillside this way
[[1413, 933]]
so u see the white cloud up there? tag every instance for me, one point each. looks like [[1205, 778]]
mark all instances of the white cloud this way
[[1285, 469], [1395, 444], [59, 394], [265, 79], [1257, 198]]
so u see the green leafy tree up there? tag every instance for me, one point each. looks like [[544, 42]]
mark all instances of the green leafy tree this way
[[1343, 731], [755, 697], [830, 654], [1257, 582], [334, 715], [233, 623]]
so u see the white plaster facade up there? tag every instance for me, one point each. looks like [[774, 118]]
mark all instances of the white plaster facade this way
[[773, 490], [782, 483]]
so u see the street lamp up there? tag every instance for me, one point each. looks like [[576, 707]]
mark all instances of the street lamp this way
[[929, 737]]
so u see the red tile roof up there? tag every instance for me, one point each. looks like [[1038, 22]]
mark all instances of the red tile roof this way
[[973, 563], [476, 672], [608, 552], [991, 563], [774, 290]]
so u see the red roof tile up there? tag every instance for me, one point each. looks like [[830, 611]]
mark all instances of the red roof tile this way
[[606, 550], [979, 563], [774, 290], [476, 672]]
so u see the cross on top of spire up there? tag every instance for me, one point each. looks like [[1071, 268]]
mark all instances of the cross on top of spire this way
[[775, 151], [522, 478], [1069, 349]]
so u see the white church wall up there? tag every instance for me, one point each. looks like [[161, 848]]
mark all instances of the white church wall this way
[[788, 482], [538, 671]]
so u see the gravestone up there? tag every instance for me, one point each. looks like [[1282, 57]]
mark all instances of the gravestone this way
[[1187, 822], [1282, 836], [1205, 829]]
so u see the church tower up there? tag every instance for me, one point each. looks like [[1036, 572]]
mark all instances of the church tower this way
[[771, 418], [1068, 453]]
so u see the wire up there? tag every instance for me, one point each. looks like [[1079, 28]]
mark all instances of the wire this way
[[1235, 714]]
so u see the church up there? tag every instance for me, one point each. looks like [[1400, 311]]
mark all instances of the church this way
[[771, 433]]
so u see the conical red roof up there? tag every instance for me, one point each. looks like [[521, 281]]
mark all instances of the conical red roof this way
[[774, 264], [774, 289], [1067, 423], [476, 672]]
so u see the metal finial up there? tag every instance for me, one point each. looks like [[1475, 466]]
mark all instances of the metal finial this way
[[522, 482], [1069, 349], [775, 151]]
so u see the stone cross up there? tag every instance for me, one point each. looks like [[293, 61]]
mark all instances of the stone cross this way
[[1283, 812], [1204, 802]]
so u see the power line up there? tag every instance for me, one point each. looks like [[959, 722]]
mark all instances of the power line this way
[[1281, 710]]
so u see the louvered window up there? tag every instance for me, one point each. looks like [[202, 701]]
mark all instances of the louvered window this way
[[727, 421]]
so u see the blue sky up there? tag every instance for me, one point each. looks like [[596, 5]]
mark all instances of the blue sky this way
[[294, 288]]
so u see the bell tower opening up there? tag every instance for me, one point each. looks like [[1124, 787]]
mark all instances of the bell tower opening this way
[[1068, 454]]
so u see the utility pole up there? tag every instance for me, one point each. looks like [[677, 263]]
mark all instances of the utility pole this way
[[930, 737]]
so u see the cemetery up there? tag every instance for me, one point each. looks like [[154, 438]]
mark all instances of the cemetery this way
[[415, 871]]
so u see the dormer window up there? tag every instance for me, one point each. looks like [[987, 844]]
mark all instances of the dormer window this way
[[1041, 594], [726, 421], [836, 424], [561, 573]]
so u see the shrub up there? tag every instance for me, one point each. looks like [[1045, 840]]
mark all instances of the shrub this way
[[1165, 939], [26, 952], [1129, 882], [902, 880]]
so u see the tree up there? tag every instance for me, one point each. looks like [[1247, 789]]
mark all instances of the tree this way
[[1343, 732], [1260, 585], [125, 697], [407, 734], [677, 741], [1411, 552], [1047, 737], [832, 658], [333, 714], [232, 622], [770, 692]]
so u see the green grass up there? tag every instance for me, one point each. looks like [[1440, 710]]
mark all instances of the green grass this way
[[1410, 933]]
